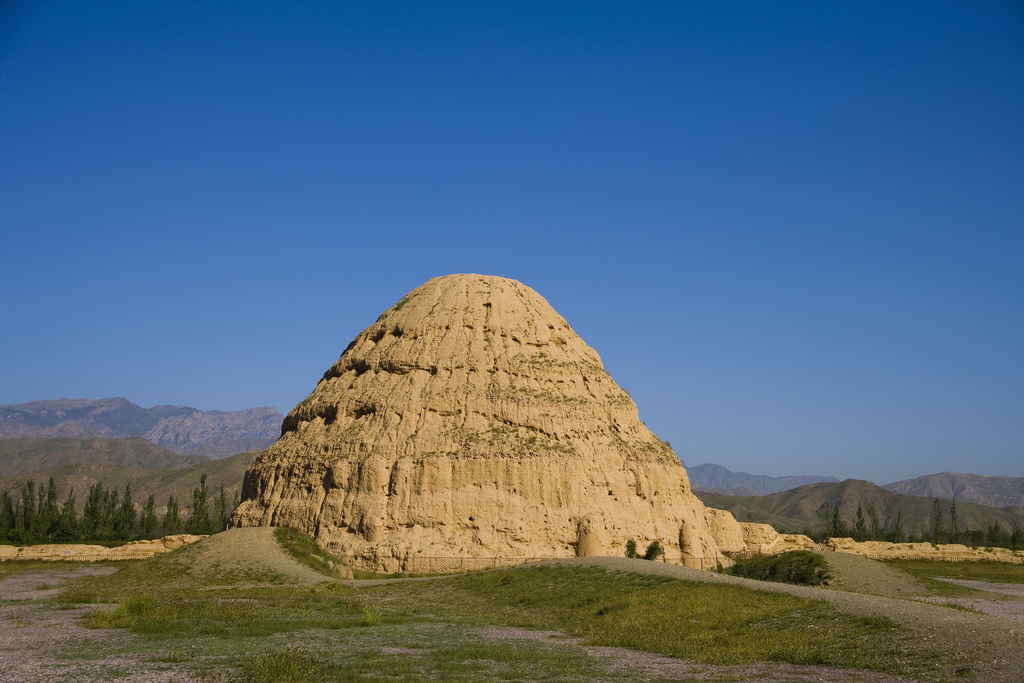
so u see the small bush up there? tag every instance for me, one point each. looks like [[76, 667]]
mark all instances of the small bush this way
[[801, 567], [129, 610], [292, 665], [653, 552], [372, 616]]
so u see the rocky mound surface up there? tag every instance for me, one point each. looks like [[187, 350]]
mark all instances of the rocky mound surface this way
[[470, 420]]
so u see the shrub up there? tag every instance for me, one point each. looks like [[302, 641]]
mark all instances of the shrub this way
[[291, 665], [372, 616], [654, 551], [801, 567]]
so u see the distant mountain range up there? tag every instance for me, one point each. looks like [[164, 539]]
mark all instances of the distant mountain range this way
[[181, 429], [717, 479], [994, 491], [809, 505]]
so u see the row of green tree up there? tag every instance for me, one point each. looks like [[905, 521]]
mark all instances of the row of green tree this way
[[867, 527], [108, 516]]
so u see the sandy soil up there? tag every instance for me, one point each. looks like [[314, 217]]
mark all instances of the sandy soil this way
[[253, 551]]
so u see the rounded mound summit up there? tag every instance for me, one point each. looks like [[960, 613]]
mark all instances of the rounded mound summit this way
[[470, 420]]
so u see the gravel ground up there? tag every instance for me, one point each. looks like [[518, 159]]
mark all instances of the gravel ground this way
[[1008, 608], [33, 636]]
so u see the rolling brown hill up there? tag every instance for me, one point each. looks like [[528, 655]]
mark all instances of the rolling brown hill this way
[[32, 453], [177, 481], [796, 509]]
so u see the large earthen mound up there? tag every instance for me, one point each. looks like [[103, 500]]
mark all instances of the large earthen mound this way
[[470, 420]]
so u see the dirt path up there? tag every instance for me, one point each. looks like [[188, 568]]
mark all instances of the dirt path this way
[[856, 574]]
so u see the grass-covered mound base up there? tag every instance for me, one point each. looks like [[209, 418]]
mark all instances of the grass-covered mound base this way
[[406, 631], [800, 567]]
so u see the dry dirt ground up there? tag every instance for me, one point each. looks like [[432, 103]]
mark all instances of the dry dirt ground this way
[[32, 633]]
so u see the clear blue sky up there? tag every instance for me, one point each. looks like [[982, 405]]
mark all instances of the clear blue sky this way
[[794, 232]]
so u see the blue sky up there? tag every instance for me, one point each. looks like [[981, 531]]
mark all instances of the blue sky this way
[[794, 232]]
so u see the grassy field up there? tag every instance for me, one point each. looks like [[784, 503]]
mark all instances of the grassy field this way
[[249, 627]]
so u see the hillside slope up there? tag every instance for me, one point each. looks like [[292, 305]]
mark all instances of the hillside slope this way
[[973, 488], [178, 481], [32, 453], [810, 505]]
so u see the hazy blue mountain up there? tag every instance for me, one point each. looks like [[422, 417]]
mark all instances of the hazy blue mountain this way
[[181, 429], [972, 488], [717, 479]]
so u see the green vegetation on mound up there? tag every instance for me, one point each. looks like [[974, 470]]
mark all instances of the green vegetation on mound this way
[[305, 551], [800, 567]]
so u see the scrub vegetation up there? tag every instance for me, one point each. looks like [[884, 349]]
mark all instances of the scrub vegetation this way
[[255, 628]]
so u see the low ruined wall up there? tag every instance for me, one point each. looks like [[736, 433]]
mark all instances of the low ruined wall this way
[[135, 550], [764, 540], [951, 552]]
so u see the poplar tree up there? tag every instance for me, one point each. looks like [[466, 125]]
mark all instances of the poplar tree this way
[[860, 527], [937, 531], [897, 536], [200, 519], [125, 519], [147, 520], [92, 514], [172, 517], [28, 510], [6, 516], [67, 525], [876, 528]]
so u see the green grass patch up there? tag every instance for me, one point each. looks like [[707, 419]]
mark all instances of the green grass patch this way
[[925, 572], [305, 551], [800, 567], [295, 666], [668, 616]]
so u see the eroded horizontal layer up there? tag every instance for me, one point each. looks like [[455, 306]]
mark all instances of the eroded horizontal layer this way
[[471, 419]]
